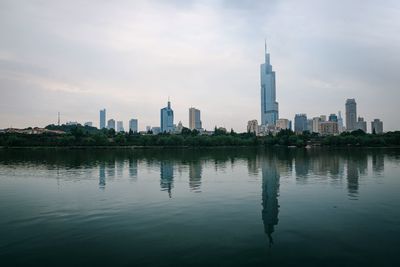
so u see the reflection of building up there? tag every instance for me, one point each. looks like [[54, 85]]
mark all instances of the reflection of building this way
[[133, 168], [195, 171], [352, 178], [167, 176], [102, 175], [270, 189], [378, 163]]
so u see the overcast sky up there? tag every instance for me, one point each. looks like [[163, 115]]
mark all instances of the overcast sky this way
[[77, 57]]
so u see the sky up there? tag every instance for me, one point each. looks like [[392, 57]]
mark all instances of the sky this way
[[77, 57]]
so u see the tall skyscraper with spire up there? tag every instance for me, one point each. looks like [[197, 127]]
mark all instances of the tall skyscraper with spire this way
[[269, 106], [167, 119]]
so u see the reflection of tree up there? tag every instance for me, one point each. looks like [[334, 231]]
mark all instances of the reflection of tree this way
[[195, 171], [167, 176], [270, 190]]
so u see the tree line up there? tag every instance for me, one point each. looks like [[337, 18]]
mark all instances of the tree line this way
[[78, 135]]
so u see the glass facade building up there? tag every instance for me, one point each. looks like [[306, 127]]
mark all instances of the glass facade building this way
[[269, 106]]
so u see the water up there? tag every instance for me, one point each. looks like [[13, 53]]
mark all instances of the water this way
[[216, 207]]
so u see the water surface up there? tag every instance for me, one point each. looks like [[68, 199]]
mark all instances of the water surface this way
[[216, 207]]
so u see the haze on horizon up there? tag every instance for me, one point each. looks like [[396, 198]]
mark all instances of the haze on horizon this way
[[130, 56]]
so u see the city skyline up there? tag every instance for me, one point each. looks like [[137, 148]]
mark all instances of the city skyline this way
[[213, 63]]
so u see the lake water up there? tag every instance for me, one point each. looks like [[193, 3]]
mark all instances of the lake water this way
[[215, 207]]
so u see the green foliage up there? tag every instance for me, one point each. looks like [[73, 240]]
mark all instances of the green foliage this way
[[81, 136]]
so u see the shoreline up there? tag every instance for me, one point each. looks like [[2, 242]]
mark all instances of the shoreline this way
[[184, 147]]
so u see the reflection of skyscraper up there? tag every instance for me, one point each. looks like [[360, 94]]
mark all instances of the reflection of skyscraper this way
[[133, 168], [102, 175], [195, 170], [270, 190], [167, 176], [378, 163], [352, 178]]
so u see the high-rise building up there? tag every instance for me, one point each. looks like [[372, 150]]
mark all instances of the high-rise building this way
[[340, 122], [333, 117], [269, 106], [167, 119], [133, 125], [102, 118], [351, 114], [361, 124], [194, 119], [309, 125], [328, 128], [252, 127], [111, 124], [316, 124], [377, 126], [283, 124], [120, 126], [300, 123]]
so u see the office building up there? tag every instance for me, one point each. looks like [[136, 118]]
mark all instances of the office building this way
[[252, 127], [71, 123], [333, 117], [283, 124], [269, 106], [102, 118], [88, 123], [340, 123], [120, 126], [167, 119], [377, 126], [351, 114], [361, 124], [300, 123], [316, 124], [328, 128], [111, 124], [133, 125], [194, 119]]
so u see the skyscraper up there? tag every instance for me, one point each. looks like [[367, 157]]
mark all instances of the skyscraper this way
[[111, 124], [351, 114], [340, 122], [300, 123], [167, 119], [120, 126], [377, 126], [194, 119], [269, 106], [133, 125], [102, 118]]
